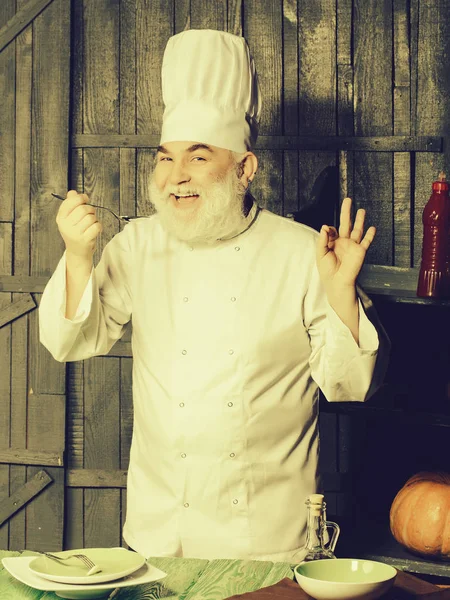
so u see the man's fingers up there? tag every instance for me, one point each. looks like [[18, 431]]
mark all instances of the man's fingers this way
[[78, 225], [332, 233], [92, 231], [74, 194], [345, 222], [86, 222], [358, 227], [369, 237], [72, 200], [79, 212], [322, 242]]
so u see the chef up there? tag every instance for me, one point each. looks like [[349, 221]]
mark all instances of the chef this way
[[239, 316]]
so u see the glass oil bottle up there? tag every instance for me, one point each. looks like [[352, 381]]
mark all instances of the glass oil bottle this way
[[316, 548]]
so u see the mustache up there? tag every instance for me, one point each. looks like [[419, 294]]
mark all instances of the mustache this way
[[219, 181]]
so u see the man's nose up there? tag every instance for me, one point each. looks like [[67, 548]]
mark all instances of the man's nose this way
[[179, 173]]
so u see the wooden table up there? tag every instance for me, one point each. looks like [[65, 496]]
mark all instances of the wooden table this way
[[187, 579]]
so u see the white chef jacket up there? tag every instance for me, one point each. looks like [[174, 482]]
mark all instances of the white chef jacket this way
[[230, 344]]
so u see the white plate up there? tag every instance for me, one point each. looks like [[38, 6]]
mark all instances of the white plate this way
[[114, 563], [18, 567]]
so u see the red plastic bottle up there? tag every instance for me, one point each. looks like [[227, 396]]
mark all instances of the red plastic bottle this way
[[436, 222]]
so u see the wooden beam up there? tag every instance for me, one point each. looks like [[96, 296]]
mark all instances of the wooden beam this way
[[17, 309], [96, 478], [20, 20], [27, 492], [391, 143], [22, 283], [13, 456], [397, 415], [375, 279], [388, 280]]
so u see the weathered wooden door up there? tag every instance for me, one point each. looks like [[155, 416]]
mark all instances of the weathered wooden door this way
[[34, 129], [353, 86], [357, 86]]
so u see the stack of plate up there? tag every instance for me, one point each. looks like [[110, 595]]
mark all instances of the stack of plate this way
[[68, 579]]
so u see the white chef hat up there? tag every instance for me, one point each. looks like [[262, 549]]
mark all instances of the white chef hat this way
[[210, 90]]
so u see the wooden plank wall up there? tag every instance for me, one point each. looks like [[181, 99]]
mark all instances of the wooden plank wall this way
[[34, 120], [326, 68], [7, 65], [351, 67]]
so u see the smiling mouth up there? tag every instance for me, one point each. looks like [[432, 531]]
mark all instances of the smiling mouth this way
[[182, 199]]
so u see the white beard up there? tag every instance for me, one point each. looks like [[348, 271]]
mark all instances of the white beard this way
[[217, 213]]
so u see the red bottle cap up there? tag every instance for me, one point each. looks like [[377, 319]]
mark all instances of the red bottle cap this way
[[441, 185]]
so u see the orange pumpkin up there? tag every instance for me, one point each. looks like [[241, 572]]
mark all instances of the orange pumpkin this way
[[420, 515]]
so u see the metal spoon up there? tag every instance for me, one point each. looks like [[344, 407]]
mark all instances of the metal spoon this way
[[120, 217]]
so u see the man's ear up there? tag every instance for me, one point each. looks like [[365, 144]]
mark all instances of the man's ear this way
[[250, 163]]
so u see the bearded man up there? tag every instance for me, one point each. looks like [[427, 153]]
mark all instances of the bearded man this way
[[239, 316]]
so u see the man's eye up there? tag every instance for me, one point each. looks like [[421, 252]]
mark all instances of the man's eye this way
[[168, 158]]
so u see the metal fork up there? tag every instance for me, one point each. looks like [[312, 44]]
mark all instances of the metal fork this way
[[93, 568], [120, 217]]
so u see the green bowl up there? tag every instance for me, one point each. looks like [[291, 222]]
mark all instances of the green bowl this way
[[345, 578]]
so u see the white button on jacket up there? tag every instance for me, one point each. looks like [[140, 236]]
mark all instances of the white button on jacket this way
[[225, 386]]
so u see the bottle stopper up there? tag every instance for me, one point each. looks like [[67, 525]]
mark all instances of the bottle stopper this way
[[315, 503]]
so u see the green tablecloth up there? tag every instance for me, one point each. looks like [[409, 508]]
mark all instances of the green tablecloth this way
[[187, 579]]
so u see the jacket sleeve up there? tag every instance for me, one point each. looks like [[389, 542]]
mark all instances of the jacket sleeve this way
[[103, 312], [344, 370]]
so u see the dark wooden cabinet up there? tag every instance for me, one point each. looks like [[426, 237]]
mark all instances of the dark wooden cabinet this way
[[402, 429]]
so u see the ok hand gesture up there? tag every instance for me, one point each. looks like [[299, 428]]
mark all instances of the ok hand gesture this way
[[341, 256]]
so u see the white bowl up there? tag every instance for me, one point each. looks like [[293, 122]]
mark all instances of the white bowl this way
[[345, 578]]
